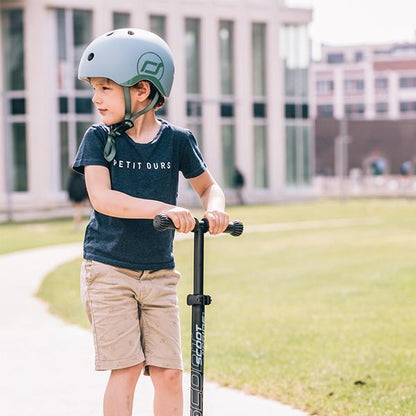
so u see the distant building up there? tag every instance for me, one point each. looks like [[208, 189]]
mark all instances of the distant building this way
[[374, 88], [241, 85], [365, 82]]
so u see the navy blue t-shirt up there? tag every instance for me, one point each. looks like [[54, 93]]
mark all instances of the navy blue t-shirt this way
[[148, 171]]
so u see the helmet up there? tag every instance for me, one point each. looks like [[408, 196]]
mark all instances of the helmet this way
[[127, 56]]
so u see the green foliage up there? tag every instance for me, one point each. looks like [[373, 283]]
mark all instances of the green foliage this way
[[318, 313]]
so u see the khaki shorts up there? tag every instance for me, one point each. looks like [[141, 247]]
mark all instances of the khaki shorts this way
[[134, 314]]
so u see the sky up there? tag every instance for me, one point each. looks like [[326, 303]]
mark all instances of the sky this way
[[340, 22]]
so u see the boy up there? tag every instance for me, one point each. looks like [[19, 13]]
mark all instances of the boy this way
[[131, 164]]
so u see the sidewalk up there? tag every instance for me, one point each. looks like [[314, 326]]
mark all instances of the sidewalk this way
[[47, 366]]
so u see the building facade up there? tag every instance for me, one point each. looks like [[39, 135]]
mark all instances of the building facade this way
[[368, 94], [241, 85], [365, 82]]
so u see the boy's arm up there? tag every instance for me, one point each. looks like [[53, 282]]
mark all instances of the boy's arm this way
[[120, 205], [213, 201]]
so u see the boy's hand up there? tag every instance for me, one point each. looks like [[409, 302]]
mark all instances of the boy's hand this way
[[218, 221], [182, 219]]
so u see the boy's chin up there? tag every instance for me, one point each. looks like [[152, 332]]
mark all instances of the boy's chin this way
[[111, 122]]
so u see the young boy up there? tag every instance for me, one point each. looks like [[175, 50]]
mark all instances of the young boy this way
[[131, 164]]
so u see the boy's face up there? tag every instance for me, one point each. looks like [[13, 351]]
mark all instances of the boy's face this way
[[108, 99]]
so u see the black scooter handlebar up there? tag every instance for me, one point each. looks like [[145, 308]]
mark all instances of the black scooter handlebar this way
[[163, 223]]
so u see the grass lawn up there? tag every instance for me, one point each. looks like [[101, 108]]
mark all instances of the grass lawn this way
[[318, 312], [26, 235]]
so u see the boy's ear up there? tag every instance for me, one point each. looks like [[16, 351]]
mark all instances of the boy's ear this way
[[141, 90]]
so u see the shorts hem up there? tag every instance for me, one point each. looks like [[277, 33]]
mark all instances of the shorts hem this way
[[163, 363], [117, 364]]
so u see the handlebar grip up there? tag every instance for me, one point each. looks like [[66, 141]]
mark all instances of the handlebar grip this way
[[235, 228], [163, 222]]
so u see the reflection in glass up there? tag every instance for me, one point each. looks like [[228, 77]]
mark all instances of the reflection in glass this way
[[192, 42], [226, 40]]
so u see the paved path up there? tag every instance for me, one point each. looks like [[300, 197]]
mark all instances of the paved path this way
[[46, 365]]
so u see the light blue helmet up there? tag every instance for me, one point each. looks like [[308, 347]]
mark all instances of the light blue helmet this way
[[127, 56]]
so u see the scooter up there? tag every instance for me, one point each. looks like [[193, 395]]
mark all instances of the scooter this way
[[198, 300]]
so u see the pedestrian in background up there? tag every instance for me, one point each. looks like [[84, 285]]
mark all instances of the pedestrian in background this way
[[78, 195], [239, 185]]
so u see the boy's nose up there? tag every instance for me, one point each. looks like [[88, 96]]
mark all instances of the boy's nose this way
[[95, 98]]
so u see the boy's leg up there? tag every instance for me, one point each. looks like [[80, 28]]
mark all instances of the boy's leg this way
[[168, 399], [119, 394]]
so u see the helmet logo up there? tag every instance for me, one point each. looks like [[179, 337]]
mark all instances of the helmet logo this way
[[151, 64]]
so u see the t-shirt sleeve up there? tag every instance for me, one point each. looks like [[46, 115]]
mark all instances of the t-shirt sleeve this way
[[91, 150], [192, 163]]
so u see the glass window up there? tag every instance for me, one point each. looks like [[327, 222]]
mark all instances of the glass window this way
[[260, 157], [227, 110], [335, 58], [325, 110], [15, 101], [192, 41], [358, 56], [83, 105], [63, 65], [259, 59], [226, 39], [193, 108], [121, 20], [381, 84], [408, 106], [382, 108], [354, 109], [407, 82], [305, 111], [82, 32], [290, 110], [295, 52], [353, 85], [158, 25], [63, 105], [259, 110], [291, 155], [17, 106], [296, 111], [13, 48], [298, 171], [64, 153], [19, 169], [324, 87], [306, 159], [61, 38], [228, 158]]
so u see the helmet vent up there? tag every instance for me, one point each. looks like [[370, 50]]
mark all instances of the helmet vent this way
[[90, 56], [109, 34], [130, 32]]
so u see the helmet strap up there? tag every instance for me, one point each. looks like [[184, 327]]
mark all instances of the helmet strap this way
[[127, 101], [128, 122]]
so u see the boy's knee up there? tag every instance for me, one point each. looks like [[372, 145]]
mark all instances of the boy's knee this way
[[173, 375], [168, 376]]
